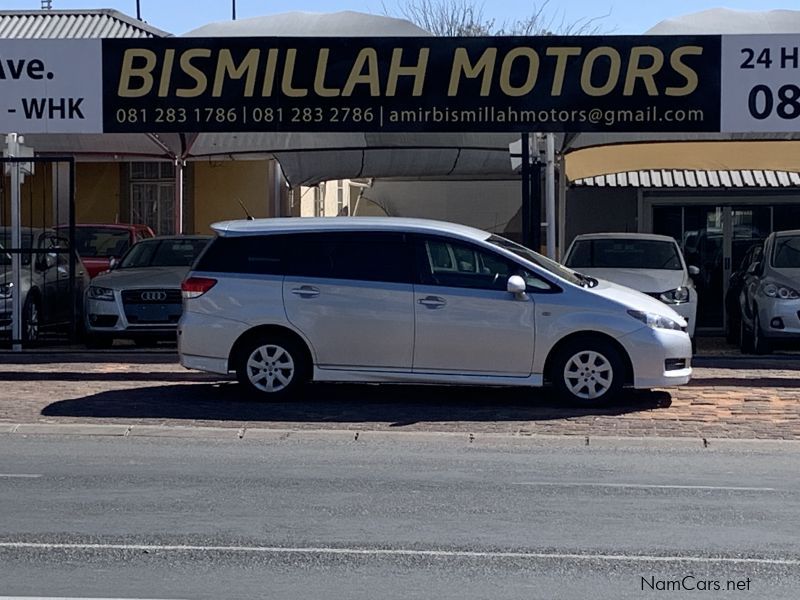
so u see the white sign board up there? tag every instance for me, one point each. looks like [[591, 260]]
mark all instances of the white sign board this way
[[760, 83], [51, 86]]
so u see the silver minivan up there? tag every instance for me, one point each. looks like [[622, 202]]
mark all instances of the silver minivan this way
[[284, 301]]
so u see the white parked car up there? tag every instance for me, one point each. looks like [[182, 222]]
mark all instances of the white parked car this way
[[284, 301], [652, 264], [770, 296]]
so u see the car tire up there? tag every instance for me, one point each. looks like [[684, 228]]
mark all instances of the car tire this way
[[31, 319], [760, 344], [745, 339], [732, 329], [99, 342], [272, 366], [588, 372]]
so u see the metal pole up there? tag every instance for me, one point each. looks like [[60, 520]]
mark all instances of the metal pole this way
[[179, 165], [233, 9], [525, 172], [536, 206], [138, 11], [16, 243], [550, 194]]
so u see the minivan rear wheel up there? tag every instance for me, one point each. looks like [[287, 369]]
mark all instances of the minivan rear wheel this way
[[272, 366], [588, 372]]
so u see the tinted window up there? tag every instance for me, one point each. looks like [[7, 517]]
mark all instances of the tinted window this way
[[624, 254], [455, 264], [363, 256], [255, 254]]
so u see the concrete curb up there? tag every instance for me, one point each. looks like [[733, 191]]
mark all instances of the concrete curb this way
[[269, 435]]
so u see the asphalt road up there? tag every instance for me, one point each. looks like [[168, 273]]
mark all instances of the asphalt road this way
[[398, 517]]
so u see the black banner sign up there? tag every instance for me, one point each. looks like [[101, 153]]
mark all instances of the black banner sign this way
[[514, 84]]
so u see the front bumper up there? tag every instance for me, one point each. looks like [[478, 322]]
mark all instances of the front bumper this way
[[654, 353], [770, 310], [114, 319]]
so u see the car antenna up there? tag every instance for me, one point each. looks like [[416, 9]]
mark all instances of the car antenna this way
[[246, 212]]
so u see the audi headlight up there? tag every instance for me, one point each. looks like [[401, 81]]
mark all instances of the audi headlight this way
[[655, 321], [782, 292], [677, 296], [5, 290], [100, 293]]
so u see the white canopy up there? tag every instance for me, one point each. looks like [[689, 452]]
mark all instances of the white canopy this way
[[308, 158]]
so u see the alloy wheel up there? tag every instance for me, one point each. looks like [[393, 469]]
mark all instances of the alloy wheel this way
[[588, 375], [31, 322], [270, 368]]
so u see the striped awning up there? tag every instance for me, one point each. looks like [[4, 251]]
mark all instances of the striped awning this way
[[681, 178], [73, 24]]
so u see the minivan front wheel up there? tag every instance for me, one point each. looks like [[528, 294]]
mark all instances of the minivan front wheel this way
[[588, 373], [273, 367]]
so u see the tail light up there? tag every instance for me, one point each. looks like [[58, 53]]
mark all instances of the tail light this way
[[194, 287]]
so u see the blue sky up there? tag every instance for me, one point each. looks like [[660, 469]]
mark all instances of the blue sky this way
[[624, 16]]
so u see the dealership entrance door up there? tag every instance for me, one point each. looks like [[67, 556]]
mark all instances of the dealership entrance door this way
[[715, 236]]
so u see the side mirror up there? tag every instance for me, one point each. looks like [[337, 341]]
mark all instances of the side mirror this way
[[112, 263], [694, 271], [754, 268], [516, 285]]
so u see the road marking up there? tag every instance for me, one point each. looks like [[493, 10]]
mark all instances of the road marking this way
[[62, 598], [648, 486], [400, 552], [18, 476]]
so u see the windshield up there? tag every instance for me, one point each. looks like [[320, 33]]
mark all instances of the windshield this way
[[163, 253], [545, 263], [101, 242], [786, 254], [624, 254]]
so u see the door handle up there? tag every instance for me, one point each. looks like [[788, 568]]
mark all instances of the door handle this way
[[306, 291], [432, 301]]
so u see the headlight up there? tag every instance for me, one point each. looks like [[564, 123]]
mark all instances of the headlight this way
[[100, 293], [5, 290], [676, 296], [773, 290], [655, 321]]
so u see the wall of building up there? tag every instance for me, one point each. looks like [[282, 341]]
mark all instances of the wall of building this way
[[219, 186], [97, 193], [35, 199], [596, 210]]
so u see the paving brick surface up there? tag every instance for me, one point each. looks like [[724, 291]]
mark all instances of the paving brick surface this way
[[744, 399]]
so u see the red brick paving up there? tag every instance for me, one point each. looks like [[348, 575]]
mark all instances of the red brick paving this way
[[737, 401]]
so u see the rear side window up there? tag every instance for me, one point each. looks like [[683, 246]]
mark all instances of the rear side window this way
[[361, 256], [256, 254]]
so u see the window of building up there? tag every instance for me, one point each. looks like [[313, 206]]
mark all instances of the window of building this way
[[340, 197], [153, 195]]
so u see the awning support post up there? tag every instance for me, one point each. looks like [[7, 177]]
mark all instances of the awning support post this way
[[180, 164], [13, 151]]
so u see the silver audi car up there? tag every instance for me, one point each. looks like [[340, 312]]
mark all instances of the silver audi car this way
[[140, 297]]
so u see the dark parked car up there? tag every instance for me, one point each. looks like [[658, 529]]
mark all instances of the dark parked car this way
[[98, 244], [735, 284], [44, 284]]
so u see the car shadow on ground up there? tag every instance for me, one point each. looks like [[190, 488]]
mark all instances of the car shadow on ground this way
[[398, 405]]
